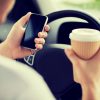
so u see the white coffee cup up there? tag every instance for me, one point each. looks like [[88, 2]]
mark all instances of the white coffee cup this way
[[85, 42]]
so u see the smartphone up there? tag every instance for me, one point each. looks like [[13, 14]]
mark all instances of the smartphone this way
[[35, 25]]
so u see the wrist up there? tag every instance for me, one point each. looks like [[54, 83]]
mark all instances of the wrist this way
[[90, 92]]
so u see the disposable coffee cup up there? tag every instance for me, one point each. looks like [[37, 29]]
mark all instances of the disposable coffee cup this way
[[85, 42]]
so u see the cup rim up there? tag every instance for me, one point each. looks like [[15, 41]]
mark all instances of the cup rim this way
[[90, 35]]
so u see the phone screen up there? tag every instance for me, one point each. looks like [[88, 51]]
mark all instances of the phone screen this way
[[34, 26]]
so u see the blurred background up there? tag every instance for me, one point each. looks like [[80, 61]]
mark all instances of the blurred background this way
[[91, 6], [47, 6]]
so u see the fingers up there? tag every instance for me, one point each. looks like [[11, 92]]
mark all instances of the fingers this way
[[22, 21], [42, 34], [46, 28], [77, 68], [76, 61], [39, 41], [71, 55], [38, 46]]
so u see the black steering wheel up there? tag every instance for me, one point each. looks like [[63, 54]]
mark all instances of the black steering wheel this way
[[52, 63], [66, 27], [72, 13]]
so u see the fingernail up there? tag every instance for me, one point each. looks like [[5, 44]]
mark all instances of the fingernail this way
[[29, 13], [47, 28]]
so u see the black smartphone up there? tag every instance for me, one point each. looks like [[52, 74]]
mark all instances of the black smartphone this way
[[35, 25]]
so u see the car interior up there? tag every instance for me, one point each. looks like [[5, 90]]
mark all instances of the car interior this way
[[51, 62]]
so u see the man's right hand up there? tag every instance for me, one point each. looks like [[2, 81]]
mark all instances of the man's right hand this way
[[87, 73]]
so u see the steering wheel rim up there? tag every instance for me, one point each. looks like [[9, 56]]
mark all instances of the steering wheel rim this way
[[73, 13]]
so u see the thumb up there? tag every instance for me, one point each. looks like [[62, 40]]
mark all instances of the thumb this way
[[71, 55], [78, 64], [24, 52], [22, 21]]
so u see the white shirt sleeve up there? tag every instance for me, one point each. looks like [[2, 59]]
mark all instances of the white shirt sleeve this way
[[19, 82]]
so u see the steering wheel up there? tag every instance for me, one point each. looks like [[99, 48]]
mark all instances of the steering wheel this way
[[52, 63], [72, 13]]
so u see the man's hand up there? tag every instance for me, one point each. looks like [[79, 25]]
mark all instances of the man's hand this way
[[87, 73], [11, 46]]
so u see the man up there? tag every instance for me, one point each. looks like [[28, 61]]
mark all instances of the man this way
[[11, 46], [18, 81]]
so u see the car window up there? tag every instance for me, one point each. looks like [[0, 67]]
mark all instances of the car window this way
[[90, 6]]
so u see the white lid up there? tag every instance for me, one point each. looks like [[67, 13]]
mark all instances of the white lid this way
[[85, 34]]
